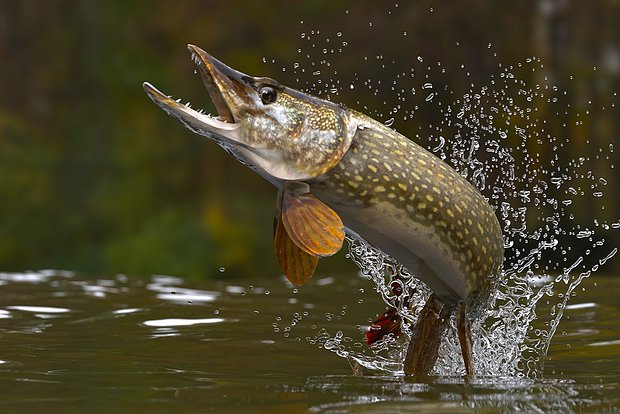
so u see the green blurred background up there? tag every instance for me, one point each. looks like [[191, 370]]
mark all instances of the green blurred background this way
[[95, 178]]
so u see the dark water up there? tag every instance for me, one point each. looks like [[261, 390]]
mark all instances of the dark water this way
[[70, 343]]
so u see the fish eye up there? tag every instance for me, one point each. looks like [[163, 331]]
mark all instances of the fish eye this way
[[268, 94]]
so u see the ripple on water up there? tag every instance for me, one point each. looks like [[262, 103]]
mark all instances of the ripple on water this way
[[38, 309], [126, 311], [39, 276], [174, 322], [188, 295], [106, 346], [167, 289]]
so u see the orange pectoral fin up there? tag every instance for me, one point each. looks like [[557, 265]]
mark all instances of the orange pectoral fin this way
[[297, 265], [312, 226]]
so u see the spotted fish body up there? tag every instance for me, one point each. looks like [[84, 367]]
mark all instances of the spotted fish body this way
[[397, 195], [335, 167]]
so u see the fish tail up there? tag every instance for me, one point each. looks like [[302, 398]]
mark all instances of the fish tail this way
[[424, 346]]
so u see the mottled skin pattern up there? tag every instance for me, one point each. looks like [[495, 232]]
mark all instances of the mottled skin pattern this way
[[315, 137], [386, 176]]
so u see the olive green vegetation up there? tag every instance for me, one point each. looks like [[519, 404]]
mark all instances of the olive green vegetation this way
[[94, 177]]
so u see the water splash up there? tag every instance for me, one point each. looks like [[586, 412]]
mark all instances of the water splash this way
[[532, 200], [506, 136]]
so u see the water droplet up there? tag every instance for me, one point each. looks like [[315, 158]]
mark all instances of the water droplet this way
[[442, 142], [584, 233]]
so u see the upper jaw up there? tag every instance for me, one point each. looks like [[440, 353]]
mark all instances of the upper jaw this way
[[217, 78], [220, 81]]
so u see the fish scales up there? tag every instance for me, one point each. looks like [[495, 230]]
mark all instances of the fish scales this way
[[384, 175]]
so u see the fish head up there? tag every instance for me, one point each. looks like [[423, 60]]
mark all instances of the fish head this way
[[282, 133]]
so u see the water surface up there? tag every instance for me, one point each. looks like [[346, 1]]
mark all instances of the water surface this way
[[72, 343]]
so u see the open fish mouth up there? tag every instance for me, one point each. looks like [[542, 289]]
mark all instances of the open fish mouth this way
[[217, 78], [264, 124]]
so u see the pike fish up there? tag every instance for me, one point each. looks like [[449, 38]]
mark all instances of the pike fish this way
[[339, 170]]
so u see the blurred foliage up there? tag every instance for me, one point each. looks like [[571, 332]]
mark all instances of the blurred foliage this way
[[93, 177]]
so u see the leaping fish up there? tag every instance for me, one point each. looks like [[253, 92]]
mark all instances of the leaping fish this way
[[339, 170]]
